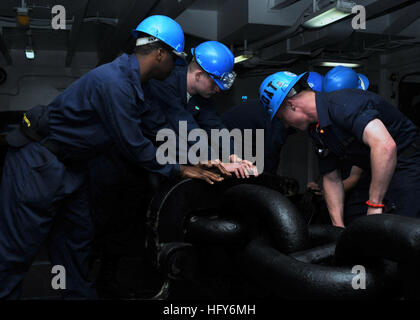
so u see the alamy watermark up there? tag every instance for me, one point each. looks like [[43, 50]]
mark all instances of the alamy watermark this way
[[59, 280], [58, 21], [193, 147], [359, 280], [359, 21]]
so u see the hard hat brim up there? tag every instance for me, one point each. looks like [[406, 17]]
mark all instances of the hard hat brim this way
[[363, 82], [182, 58]]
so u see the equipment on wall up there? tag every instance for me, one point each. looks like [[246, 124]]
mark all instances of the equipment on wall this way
[[3, 75], [22, 15]]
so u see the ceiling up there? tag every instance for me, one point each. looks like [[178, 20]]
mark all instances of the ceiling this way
[[270, 29]]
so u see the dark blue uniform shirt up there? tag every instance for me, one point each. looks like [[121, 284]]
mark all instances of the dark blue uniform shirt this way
[[108, 107], [343, 116], [251, 115], [171, 97]]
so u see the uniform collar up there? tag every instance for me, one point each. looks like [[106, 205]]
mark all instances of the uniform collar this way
[[134, 74], [322, 107]]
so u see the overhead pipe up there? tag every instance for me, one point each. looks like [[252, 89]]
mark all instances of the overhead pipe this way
[[374, 10], [46, 23], [170, 8], [75, 31], [404, 20], [284, 4], [256, 45]]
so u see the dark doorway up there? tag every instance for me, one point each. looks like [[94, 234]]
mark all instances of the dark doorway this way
[[409, 96]]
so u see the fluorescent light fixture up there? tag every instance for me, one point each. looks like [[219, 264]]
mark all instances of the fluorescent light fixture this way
[[330, 14], [29, 50], [332, 64], [242, 57], [30, 53]]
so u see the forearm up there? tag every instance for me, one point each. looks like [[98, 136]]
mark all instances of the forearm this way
[[349, 183], [383, 158], [334, 197], [353, 178], [383, 161]]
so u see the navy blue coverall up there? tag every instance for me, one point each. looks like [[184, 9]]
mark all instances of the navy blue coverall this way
[[120, 192], [250, 114], [43, 198], [119, 216], [170, 96], [343, 116]]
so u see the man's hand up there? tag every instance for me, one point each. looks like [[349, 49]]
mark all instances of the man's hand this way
[[314, 187], [244, 170], [199, 173], [338, 224], [216, 165], [372, 210], [241, 169], [351, 181], [233, 158]]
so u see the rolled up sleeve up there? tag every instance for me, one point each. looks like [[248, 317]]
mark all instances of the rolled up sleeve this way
[[328, 164], [354, 117]]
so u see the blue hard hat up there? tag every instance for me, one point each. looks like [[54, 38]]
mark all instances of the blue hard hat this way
[[164, 29], [340, 77], [275, 88], [315, 81], [363, 82], [218, 61]]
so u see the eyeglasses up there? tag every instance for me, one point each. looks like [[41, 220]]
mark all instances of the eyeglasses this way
[[292, 93], [227, 78], [297, 88]]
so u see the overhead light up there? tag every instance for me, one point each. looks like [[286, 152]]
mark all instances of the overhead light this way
[[330, 14], [30, 53], [242, 57], [29, 50], [332, 64]]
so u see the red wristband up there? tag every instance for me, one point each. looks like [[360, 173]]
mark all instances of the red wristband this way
[[375, 205]]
